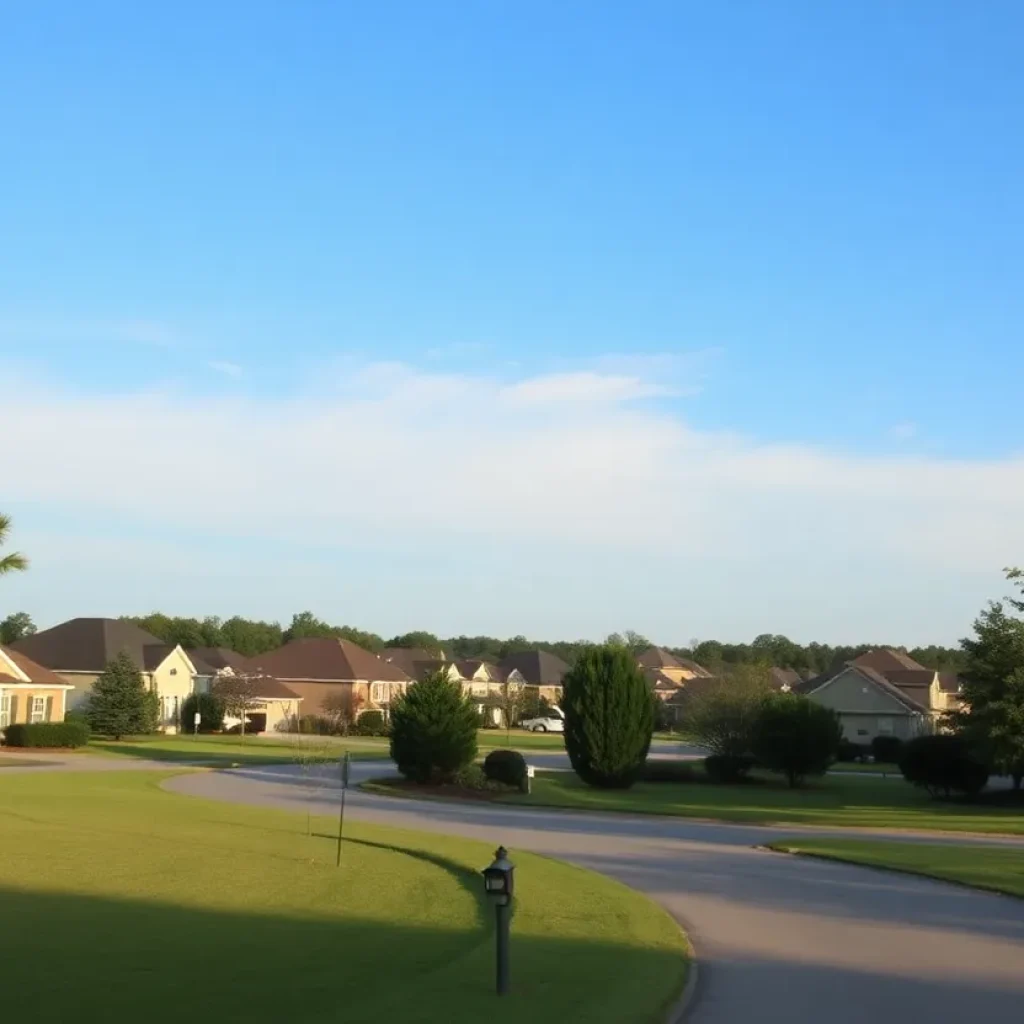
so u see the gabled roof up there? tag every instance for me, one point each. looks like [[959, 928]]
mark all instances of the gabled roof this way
[[86, 645], [781, 677], [416, 662], [326, 659], [657, 657], [468, 668], [538, 668], [26, 670], [216, 658], [907, 700], [657, 680], [886, 660], [264, 687]]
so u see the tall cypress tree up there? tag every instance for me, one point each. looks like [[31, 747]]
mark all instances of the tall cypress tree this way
[[609, 717], [120, 704]]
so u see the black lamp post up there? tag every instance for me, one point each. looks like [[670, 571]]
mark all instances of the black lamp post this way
[[498, 884]]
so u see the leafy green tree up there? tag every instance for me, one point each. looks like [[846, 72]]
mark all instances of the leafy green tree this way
[[795, 737], [120, 704], [14, 561], [211, 712], [943, 764], [433, 730], [609, 717], [722, 718], [239, 694], [250, 636], [306, 624], [368, 641], [16, 626], [991, 713], [417, 638]]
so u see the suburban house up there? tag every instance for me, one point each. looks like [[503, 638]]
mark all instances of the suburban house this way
[[332, 675], [29, 692], [418, 662], [538, 669], [78, 650], [273, 702], [678, 670], [883, 693]]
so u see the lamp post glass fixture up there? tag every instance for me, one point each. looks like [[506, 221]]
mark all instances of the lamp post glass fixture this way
[[499, 884]]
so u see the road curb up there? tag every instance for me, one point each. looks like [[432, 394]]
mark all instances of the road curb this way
[[681, 1007]]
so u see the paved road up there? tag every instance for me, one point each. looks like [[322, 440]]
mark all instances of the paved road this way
[[777, 938]]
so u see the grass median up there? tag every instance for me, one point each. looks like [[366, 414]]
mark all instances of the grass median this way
[[859, 801], [998, 869], [161, 905]]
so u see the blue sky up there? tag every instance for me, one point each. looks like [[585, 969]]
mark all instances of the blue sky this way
[[678, 316]]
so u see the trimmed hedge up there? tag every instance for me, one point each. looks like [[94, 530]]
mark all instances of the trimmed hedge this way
[[507, 766], [47, 734], [850, 751]]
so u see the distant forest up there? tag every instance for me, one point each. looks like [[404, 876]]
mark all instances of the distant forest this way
[[250, 637]]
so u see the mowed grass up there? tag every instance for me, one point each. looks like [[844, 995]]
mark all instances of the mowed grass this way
[[999, 869], [152, 905], [843, 800], [226, 750], [220, 751]]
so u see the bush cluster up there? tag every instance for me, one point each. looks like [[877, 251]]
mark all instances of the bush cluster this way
[[211, 712], [728, 767], [887, 749], [943, 765], [433, 730], [506, 766], [47, 734], [371, 723], [795, 737], [850, 751]]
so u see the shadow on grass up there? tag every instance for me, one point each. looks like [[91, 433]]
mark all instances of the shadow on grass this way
[[124, 958], [201, 754]]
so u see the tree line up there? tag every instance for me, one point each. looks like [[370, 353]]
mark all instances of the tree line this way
[[257, 636]]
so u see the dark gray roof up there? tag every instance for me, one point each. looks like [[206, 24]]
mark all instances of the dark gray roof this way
[[538, 668], [325, 659], [86, 645], [468, 667], [215, 659]]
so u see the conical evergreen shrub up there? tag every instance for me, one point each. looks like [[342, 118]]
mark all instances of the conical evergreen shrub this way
[[609, 717]]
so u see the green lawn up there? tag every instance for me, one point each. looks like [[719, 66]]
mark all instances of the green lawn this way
[[147, 904], [226, 750], [833, 800], [998, 869]]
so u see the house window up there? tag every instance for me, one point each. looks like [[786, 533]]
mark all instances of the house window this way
[[862, 732], [173, 672], [38, 713], [5, 710], [378, 692], [885, 726]]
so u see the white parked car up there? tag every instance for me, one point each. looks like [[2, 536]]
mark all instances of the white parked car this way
[[551, 721]]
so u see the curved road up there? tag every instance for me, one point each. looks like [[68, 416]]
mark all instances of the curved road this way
[[777, 937]]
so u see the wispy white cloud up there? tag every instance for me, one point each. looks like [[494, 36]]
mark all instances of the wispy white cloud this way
[[222, 366], [402, 460]]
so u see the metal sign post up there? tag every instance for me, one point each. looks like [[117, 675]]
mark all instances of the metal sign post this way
[[196, 719], [529, 778], [341, 812]]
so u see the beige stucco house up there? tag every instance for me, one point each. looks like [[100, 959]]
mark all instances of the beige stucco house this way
[[29, 692], [273, 703], [332, 675], [884, 693], [78, 650]]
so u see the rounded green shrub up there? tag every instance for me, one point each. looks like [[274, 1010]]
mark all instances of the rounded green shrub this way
[[887, 749], [433, 730], [371, 723], [507, 766], [943, 764], [795, 737], [728, 767], [211, 712], [609, 717]]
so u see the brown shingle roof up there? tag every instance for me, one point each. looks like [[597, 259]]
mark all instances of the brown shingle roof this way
[[468, 667], [538, 668], [326, 659], [217, 658], [266, 688], [886, 660], [36, 673], [657, 657], [86, 645]]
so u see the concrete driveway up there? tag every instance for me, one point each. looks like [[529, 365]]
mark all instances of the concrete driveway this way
[[777, 937]]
